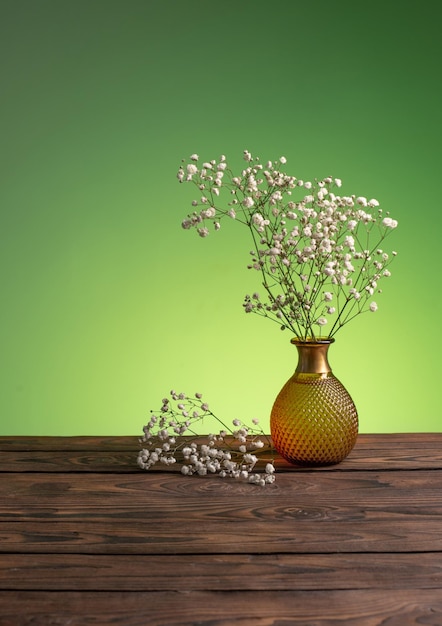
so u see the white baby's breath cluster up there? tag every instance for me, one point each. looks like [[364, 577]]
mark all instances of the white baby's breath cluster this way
[[319, 253], [170, 438]]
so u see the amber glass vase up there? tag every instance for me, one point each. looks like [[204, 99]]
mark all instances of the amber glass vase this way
[[314, 420]]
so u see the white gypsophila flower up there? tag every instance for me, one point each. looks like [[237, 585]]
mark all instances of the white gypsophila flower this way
[[194, 157], [219, 455], [349, 242], [307, 239], [208, 213], [373, 307], [191, 169], [322, 321], [389, 223], [328, 296]]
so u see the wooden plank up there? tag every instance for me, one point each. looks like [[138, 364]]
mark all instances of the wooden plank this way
[[386, 440], [108, 461], [220, 572], [366, 607], [101, 443], [207, 494], [69, 461], [311, 534], [112, 443], [93, 454]]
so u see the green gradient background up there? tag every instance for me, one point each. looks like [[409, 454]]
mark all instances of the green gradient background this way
[[106, 304]]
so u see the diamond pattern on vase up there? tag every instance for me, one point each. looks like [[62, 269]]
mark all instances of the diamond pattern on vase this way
[[314, 420]]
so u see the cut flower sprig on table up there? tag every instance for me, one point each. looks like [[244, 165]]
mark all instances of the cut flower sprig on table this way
[[319, 253], [170, 438]]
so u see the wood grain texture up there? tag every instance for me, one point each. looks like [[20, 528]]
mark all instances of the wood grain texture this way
[[220, 572], [373, 607], [86, 537], [183, 538]]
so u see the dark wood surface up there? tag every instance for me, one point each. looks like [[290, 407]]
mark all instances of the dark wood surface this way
[[88, 538]]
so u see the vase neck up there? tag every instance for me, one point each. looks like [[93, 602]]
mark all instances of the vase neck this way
[[312, 356]]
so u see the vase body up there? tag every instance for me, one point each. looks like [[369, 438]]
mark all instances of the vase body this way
[[314, 420]]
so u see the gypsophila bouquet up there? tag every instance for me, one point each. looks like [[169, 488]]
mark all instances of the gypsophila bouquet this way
[[170, 438], [318, 252]]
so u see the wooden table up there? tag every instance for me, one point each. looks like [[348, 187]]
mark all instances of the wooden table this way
[[88, 538]]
